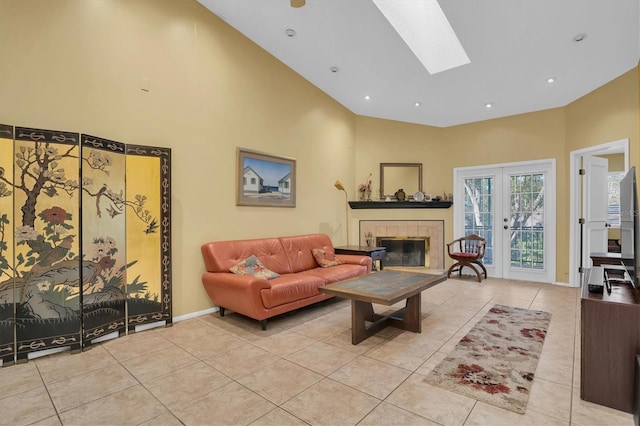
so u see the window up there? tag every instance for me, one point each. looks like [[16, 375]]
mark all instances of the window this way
[[253, 181], [613, 204]]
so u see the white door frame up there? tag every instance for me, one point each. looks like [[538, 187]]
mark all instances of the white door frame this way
[[550, 223], [615, 147]]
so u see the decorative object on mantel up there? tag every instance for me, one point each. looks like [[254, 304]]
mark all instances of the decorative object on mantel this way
[[400, 194], [418, 196], [368, 237], [400, 175], [340, 187], [364, 189]]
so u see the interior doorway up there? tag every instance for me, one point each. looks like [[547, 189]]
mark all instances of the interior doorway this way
[[578, 186]]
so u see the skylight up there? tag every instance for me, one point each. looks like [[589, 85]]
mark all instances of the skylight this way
[[425, 29]]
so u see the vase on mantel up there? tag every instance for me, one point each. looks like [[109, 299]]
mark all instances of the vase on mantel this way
[[368, 195], [362, 195], [368, 238]]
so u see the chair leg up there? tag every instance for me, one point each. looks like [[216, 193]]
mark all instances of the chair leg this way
[[452, 269], [263, 324], [478, 274], [480, 264], [469, 264], [221, 311]]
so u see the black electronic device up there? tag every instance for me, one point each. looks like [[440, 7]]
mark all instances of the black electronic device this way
[[630, 226], [604, 277]]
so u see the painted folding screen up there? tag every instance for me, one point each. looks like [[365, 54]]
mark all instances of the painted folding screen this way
[[85, 238], [148, 234], [46, 186], [104, 265], [7, 343]]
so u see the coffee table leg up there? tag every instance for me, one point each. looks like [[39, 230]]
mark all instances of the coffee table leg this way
[[360, 312], [411, 319]]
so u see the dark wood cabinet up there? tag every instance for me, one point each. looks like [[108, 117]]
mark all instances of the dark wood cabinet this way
[[599, 259], [610, 333]]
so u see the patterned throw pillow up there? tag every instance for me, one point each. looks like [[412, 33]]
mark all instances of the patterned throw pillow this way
[[325, 258], [252, 266]]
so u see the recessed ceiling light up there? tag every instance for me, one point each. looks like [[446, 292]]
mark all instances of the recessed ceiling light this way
[[488, 105], [423, 26], [334, 69], [289, 32], [551, 80], [417, 103], [580, 37], [367, 97]]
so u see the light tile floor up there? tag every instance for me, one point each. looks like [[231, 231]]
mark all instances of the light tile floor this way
[[303, 370]]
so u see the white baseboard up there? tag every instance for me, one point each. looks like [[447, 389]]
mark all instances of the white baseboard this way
[[564, 284], [196, 314]]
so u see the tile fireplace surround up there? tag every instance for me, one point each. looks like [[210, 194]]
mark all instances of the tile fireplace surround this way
[[432, 229]]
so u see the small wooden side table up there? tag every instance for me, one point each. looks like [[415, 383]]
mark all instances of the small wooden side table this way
[[375, 253]]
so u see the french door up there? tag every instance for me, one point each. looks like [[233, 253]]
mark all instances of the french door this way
[[513, 208]]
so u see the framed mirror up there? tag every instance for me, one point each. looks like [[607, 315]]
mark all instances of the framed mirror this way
[[394, 176]]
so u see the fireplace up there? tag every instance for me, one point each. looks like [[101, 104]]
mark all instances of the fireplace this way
[[428, 233], [405, 251]]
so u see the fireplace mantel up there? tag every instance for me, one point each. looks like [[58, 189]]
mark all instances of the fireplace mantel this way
[[400, 204]]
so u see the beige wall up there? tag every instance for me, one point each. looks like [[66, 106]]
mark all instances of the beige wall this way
[[78, 65], [524, 137], [615, 164], [607, 114]]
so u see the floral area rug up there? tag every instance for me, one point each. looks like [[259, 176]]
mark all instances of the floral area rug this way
[[495, 362]]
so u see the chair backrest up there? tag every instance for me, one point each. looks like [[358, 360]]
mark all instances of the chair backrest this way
[[470, 244], [475, 244]]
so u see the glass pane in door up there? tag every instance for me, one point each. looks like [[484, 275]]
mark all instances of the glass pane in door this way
[[526, 209], [478, 211]]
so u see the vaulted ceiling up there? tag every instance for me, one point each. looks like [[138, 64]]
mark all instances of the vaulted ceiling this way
[[349, 50]]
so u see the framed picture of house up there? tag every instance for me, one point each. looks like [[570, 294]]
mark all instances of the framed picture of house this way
[[265, 180]]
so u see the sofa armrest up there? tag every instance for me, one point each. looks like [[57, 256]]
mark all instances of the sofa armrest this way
[[356, 259], [239, 293]]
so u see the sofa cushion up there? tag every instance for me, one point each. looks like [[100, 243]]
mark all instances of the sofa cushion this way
[[298, 249], [337, 273], [325, 258], [290, 288], [219, 256], [252, 266]]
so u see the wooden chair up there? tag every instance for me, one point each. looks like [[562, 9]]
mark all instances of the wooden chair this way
[[467, 251]]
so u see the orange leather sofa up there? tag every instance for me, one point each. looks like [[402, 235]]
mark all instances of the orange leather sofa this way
[[291, 257]]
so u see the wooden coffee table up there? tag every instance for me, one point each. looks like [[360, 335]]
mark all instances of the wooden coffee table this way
[[385, 288]]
